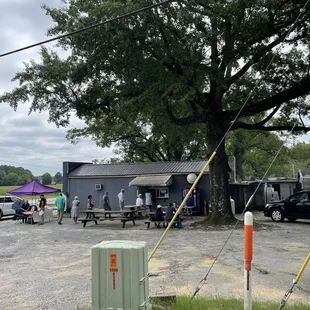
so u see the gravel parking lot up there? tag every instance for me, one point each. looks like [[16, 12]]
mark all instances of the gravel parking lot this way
[[48, 267]]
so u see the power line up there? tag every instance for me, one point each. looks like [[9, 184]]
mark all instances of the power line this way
[[203, 280], [146, 8]]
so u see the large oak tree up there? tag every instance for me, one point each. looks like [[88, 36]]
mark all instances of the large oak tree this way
[[189, 63]]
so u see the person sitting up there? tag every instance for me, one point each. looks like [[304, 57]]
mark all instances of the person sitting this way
[[170, 213], [159, 216], [19, 213], [26, 206]]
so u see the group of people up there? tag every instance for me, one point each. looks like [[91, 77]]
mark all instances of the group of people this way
[[121, 200], [170, 212], [61, 205], [148, 200]]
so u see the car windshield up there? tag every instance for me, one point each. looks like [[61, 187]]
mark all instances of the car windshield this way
[[16, 199], [299, 197]]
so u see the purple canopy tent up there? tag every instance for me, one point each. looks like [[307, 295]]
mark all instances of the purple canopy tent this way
[[32, 189]]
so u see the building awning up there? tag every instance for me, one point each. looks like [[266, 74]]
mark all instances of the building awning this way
[[152, 181]]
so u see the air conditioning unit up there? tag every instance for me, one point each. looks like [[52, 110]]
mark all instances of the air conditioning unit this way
[[98, 187]]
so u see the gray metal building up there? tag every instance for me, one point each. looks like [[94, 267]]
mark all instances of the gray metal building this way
[[166, 180]]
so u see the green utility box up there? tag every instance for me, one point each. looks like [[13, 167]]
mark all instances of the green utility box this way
[[120, 276]]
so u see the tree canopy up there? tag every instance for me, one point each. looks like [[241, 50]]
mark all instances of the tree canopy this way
[[46, 178], [10, 175], [58, 177], [190, 63]]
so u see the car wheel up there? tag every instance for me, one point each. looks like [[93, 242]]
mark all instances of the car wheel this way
[[292, 219], [277, 215], [1, 214]]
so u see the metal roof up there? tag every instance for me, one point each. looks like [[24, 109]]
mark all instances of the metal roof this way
[[152, 180], [135, 169]]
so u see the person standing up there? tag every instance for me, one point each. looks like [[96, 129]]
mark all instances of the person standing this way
[[106, 201], [148, 199], [60, 205], [90, 205], [121, 199], [139, 201], [42, 205], [67, 206], [75, 210]]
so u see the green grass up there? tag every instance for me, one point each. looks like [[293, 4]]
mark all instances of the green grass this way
[[185, 303], [5, 189]]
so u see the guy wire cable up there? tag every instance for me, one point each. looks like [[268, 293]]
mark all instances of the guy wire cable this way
[[146, 8], [289, 292], [203, 280], [222, 140]]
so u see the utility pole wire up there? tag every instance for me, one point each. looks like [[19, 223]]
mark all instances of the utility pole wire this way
[[146, 8]]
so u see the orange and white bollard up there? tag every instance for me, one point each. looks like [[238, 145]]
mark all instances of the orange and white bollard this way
[[248, 256]]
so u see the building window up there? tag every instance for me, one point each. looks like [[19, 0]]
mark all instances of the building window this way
[[162, 192]]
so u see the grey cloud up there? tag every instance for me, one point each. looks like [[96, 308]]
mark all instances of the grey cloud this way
[[30, 141]]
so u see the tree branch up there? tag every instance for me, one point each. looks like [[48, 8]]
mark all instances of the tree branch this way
[[270, 116], [228, 46], [214, 55], [242, 125], [255, 59], [298, 89], [180, 121]]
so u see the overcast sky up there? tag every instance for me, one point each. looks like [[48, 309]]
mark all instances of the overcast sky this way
[[30, 141]]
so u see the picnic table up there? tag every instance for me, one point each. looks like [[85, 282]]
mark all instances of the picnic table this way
[[101, 215], [32, 217]]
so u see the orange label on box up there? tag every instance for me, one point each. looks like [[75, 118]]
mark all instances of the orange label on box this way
[[113, 261]]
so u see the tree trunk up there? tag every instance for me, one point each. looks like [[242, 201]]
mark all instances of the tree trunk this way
[[220, 211]]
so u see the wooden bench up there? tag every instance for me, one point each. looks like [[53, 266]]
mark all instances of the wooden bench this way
[[96, 219], [85, 221], [156, 223], [122, 219]]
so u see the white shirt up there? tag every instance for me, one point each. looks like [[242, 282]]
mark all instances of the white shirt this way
[[148, 199], [120, 196], [139, 202]]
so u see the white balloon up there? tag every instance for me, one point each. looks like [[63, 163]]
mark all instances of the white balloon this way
[[191, 178]]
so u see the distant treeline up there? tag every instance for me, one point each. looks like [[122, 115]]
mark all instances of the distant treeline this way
[[10, 175]]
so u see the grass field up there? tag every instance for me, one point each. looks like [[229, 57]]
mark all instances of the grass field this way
[[184, 303], [5, 189]]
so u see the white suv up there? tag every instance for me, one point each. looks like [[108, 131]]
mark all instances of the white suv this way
[[6, 205]]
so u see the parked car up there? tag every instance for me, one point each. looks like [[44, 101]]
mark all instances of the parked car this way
[[296, 206], [8, 205]]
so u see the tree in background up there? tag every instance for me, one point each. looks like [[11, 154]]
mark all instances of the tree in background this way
[[23, 179], [11, 178], [191, 63], [58, 178], [299, 157], [46, 179], [10, 175], [254, 152]]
